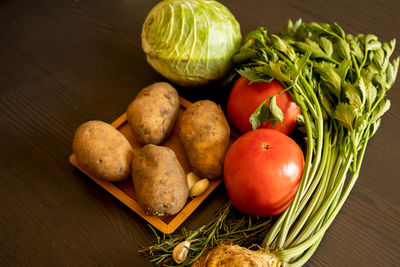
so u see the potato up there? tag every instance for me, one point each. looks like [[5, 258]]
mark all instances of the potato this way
[[152, 114], [159, 180], [103, 151], [204, 133]]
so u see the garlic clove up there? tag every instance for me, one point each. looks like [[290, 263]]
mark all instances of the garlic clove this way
[[199, 188], [192, 179], [181, 251]]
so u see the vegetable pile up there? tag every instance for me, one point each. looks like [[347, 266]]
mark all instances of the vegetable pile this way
[[161, 186], [340, 82]]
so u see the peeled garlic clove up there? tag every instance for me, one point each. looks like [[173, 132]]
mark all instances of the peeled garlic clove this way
[[199, 188], [181, 251], [192, 179]]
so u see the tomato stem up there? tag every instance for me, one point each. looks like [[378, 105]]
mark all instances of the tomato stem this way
[[265, 146]]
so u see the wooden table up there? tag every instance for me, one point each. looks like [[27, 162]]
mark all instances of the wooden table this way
[[66, 62]]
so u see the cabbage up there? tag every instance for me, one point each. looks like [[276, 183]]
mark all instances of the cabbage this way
[[190, 42]]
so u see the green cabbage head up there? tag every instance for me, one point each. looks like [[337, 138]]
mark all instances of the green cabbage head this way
[[190, 42]]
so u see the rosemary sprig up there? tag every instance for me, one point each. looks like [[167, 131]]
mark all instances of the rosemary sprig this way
[[228, 227]]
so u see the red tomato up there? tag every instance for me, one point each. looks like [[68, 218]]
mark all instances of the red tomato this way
[[245, 98], [262, 171]]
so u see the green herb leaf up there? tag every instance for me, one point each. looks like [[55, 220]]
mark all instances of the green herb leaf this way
[[253, 75], [369, 72], [338, 30], [343, 68], [318, 28], [297, 25], [277, 70], [360, 123], [329, 76], [352, 95], [342, 49], [283, 46], [264, 114], [383, 106], [362, 89], [345, 114], [327, 46], [299, 66], [244, 54], [326, 101], [374, 127], [268, 110], [388, 50], [378, 58], [256, 38], [371, 92], [372, 43], [379, 80], [268, 55], [355, 48], [276, 114], [391, 72], [313, 47], [260, 115], [289, 26]]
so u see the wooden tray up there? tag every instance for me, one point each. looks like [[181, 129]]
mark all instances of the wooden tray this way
[[125, 192]]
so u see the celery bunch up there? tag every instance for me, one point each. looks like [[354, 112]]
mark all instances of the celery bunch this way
[[340, 82]]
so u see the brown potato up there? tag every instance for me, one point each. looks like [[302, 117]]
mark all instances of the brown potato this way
[[152, 114], [160, 181], [204, 134], [103, 151]]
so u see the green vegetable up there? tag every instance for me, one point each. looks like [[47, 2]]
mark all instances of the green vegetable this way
[[340, 83], [190, 42]]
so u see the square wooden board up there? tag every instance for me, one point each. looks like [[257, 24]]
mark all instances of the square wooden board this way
[[125, 191]]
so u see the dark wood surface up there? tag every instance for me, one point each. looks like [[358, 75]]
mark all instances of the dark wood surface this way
[[65, 62]]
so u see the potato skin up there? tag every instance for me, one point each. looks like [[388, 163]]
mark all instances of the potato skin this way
[[159, 180], [103, 151], [204, 134], [152, 114]]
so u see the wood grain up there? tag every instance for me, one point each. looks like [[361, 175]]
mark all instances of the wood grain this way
[[64, 62]]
